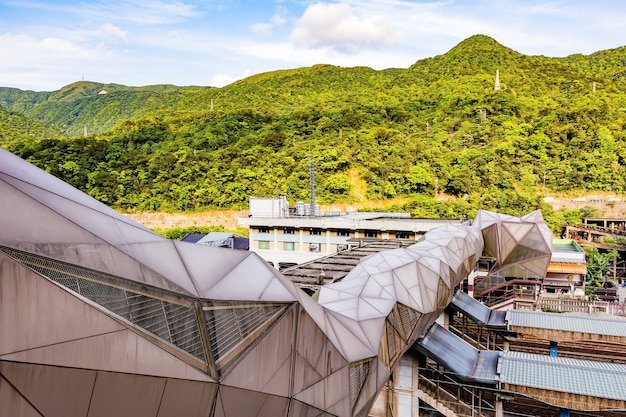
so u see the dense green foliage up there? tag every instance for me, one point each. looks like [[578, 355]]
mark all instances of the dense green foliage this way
[[597, 265], [14, 125], [555, 125]]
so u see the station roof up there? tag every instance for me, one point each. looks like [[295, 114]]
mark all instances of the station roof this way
[[567, 322], [551, 373], [576, 376]]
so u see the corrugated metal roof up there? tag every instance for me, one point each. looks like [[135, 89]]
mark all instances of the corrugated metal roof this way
[[565, 322], [596, 379], [459, 356], [497, 318], [471, 307], [476, 310]]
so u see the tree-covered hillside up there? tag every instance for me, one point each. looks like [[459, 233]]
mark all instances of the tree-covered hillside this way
[[14, 126], [440, 126], [93, 107]]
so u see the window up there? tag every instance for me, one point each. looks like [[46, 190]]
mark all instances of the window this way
[[315, 232], [371, 233], [314, 247], [264, 244], [264, 229], [289, 246], [343, 232], [289, 231], [402, 235]]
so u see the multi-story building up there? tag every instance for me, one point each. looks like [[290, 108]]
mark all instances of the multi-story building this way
[[286, 236], [568, 268]]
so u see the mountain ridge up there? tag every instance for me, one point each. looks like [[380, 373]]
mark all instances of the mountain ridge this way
[[439, 126]]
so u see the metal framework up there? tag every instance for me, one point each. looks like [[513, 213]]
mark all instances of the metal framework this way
[[100, 316]]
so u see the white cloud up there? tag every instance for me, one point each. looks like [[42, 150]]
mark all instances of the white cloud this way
[[24, 50], [277, 20], [222, 79], [262, 28], [122, 35], [146, 12], [52, 61], [266, 28], [337, 27], [183, 42]]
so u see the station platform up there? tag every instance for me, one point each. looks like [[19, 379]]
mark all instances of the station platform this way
[[581, 379]]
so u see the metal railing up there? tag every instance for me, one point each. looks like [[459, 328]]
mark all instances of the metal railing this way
[[579, 305]]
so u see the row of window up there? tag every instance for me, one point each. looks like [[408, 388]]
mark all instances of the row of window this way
[[312, 231], [340, 232], [290, 246]]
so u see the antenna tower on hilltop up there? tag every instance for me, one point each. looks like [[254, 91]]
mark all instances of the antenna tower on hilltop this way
[[312, 183]]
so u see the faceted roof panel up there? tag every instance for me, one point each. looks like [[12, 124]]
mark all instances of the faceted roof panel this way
[[522, 246], [251, 279], [72, 220], [205, 314], [417, 274]]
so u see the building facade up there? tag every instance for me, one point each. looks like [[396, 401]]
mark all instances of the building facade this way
[[286, 236], [567, 269]]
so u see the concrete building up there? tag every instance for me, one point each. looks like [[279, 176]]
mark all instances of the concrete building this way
[[288, 236]]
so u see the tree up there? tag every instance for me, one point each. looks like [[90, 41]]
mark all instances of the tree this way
[[597, 264]]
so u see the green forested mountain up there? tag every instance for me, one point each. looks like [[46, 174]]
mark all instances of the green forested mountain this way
[[90, 106], [554, 125]]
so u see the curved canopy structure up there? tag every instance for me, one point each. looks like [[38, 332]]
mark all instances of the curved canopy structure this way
[[522, 247], [100, 316]]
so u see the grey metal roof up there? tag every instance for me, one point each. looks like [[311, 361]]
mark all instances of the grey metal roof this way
[[336, 266], [192, 237], [471, 307], [459, 356], [357, 220], [476, 310], [564, 322], [596, 379]]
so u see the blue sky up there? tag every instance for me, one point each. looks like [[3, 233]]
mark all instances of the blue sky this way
[[47, 44]]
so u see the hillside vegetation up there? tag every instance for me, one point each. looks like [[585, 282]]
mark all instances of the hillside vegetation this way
[[555, 125]]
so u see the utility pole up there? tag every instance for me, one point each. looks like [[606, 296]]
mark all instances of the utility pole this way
[[312, 184]]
